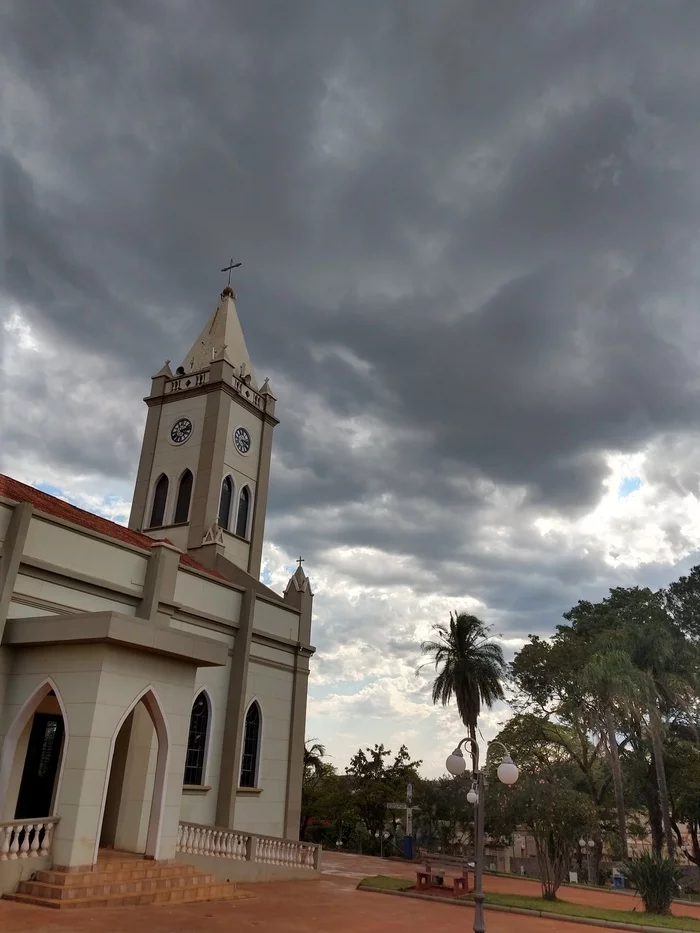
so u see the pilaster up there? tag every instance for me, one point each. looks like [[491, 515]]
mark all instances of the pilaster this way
[[137, 516], [262, 485], [159, 585], [297, 735], [207, 488], [232, 740], [12, 551]]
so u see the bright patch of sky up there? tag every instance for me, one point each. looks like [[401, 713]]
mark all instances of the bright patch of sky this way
[[629, 485]]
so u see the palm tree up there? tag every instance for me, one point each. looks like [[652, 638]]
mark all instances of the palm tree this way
[[314, 753], [470, 668], [314, 767], [667, 677], [612, 681]]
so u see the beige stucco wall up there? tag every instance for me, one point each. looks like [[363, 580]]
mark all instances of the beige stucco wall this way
[[236, 549], [12, 872], [200, 806], [85, 554], [5, 516], [172, 459], [276, 620], [205, 595], [264, 814], [30, 590], [244, 468], [97, 685]]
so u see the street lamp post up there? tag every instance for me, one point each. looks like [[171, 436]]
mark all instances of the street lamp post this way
[[381, 837], [586, 849], [507, 774]]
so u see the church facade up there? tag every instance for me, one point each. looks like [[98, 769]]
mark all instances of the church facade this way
[[152, 689]]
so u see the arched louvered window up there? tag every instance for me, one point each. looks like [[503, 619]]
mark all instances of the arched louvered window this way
[[243, 510], [184, 494], [251, 746], [197, 741], [225, 503], [160, 497]]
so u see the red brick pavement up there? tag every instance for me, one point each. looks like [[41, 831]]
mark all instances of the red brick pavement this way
[[328, 905]]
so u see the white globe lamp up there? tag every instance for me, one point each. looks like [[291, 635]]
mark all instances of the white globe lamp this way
[[507, 772], [456, 764], [472, 796]]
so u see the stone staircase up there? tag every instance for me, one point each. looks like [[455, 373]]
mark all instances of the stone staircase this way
[[116, 883]]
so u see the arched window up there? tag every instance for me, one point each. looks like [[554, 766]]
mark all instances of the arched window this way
[[184, 494], [243, 510], [251, 746], [225, 503], [197, 741], [160, 497]]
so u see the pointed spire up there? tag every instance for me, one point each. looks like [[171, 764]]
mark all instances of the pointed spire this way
[[221, 338], [298, 581], [164, 370]]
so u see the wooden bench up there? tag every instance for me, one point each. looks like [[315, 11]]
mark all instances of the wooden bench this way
[[438, 866]]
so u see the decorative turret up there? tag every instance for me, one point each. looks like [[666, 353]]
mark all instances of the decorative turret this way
[[298, 593]]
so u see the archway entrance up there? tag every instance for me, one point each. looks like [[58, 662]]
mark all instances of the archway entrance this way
[[35, 745], [38, 783], [135, 788]]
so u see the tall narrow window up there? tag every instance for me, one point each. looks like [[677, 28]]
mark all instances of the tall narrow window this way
[[243, 509], [225, 503], [251, 746], [184, 494], [197, 741], [160, 497]]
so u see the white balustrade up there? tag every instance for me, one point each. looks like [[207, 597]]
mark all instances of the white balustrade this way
[[20, 839], [229, 843]]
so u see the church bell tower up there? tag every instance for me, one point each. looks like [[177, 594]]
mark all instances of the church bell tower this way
[[204, 470]]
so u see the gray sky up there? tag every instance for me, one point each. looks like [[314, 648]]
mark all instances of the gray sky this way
[[469, 236]]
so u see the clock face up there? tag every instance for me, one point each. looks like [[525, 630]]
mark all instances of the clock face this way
[[242, 440], [181, 431]]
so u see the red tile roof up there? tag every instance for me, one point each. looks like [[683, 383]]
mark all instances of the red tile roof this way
[[19, 492]]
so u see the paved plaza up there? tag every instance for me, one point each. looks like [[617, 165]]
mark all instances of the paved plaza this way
[[329, 905]]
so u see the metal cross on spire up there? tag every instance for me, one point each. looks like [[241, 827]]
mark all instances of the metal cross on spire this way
[[229, 268], [300, 561]]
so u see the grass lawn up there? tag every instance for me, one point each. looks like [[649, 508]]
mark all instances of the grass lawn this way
[[595, 913], [564, 908]]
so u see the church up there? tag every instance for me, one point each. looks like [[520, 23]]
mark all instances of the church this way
[[152, 689]]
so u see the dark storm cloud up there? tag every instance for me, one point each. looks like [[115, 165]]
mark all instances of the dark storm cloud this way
[[493, 205]]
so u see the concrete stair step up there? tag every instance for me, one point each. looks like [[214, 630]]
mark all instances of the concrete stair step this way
[[94, 888], [111, 864], [186, 895], [142, 872]]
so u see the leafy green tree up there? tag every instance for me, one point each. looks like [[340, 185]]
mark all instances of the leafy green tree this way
[[564, 753], [659, 663], [444, 817], [375, 780], [554, 814], [314, 788], [683, 764], [469, 668]]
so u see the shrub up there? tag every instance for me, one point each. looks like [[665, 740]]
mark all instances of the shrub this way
[[656, 879]]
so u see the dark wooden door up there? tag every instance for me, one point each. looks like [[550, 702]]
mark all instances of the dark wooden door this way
[[40, 767]]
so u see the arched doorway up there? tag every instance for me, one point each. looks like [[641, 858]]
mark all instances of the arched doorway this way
[[32, 757], [135, 789]]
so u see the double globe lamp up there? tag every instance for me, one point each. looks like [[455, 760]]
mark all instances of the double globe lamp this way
[[507, 771]]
